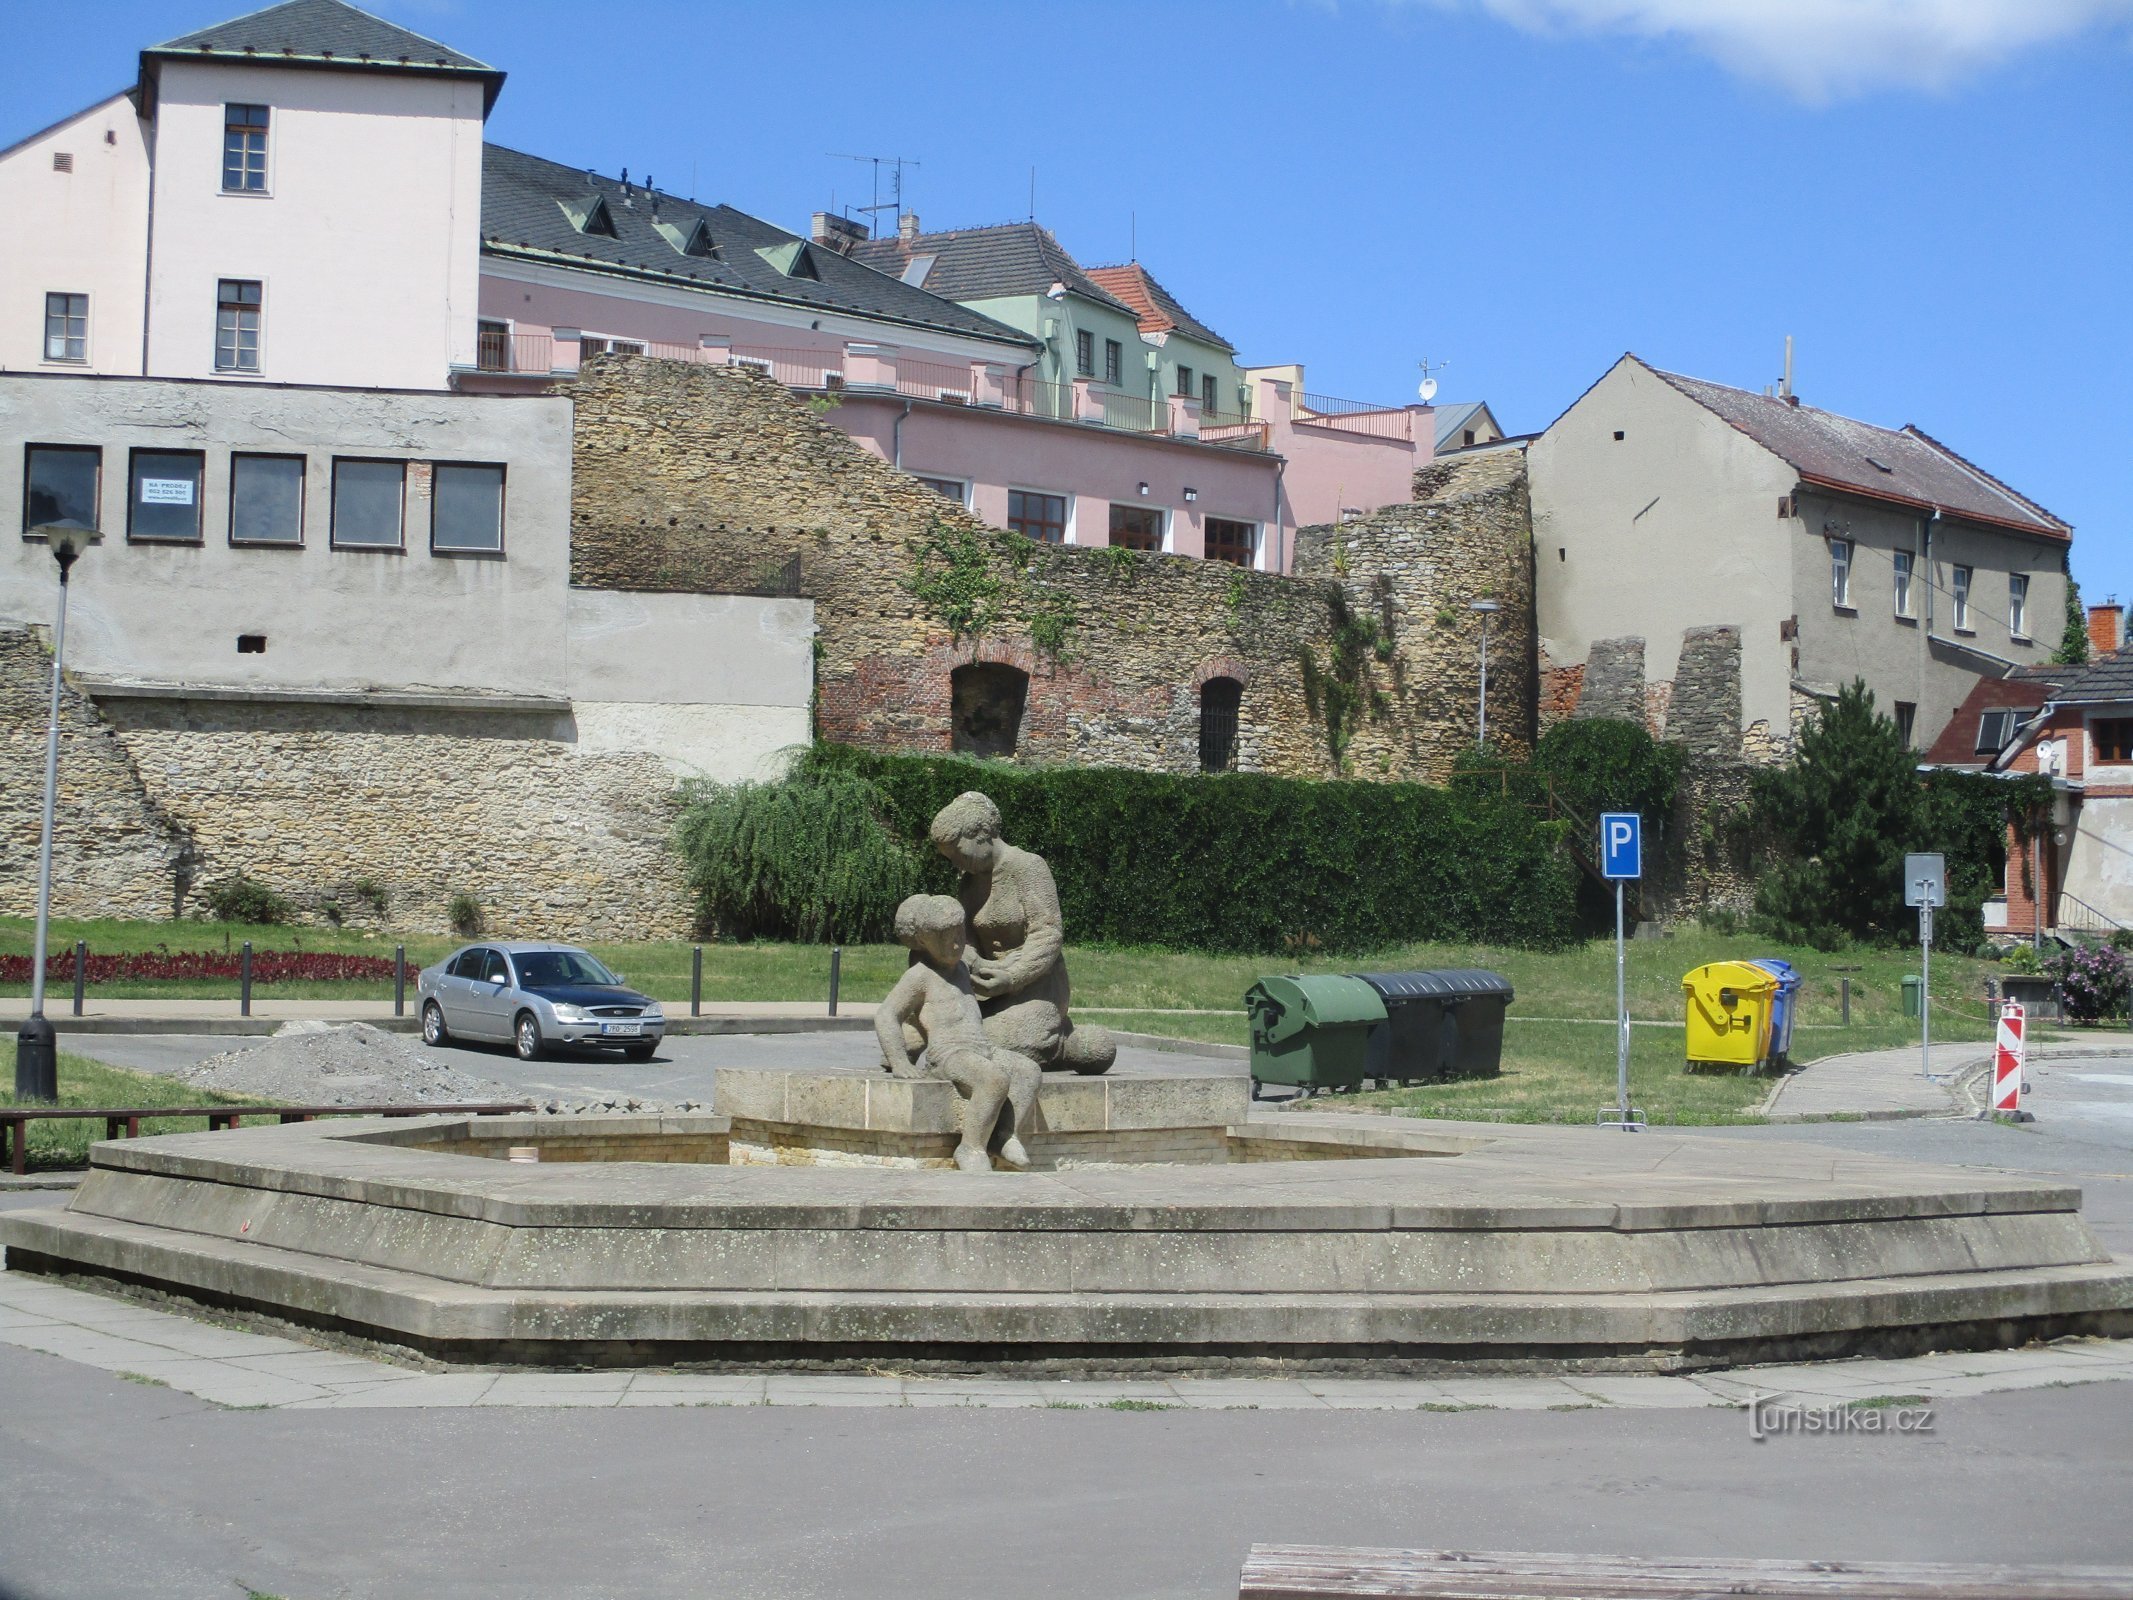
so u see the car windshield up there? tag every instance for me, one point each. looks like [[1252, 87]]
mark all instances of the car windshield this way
[[549, 969]]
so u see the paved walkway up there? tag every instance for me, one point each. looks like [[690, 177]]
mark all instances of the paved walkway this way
[[1874, 1083], [236, 1367]]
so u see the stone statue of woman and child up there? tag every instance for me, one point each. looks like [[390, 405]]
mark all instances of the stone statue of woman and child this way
[[983, 1004]]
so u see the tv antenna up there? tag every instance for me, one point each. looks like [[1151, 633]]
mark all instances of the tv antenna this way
[[895, 202], [1427, 388]]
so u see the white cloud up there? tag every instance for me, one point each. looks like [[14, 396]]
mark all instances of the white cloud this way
[[1823, 49]]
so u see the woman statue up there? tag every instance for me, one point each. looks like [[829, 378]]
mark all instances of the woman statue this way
[[1017, 942]]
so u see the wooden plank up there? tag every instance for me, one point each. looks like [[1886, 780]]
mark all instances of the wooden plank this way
[[1311, 1572]]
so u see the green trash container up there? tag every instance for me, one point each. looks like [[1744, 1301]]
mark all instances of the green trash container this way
[[1313, 1032], [1914, 996]]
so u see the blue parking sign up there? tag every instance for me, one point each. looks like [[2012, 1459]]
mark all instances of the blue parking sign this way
[[1621, 844]]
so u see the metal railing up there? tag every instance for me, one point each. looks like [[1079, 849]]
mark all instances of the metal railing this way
[[1034, 399], [1135, 413], [499, 350], [934, 380], [795, 368], [1355, 416], [1237, 435], [2078, 916]]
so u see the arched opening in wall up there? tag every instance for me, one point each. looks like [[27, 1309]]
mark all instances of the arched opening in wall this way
[[986, 700], [1219, 699]]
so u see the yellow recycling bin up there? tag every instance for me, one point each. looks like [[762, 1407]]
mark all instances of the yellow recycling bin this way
[[1730, 1004]]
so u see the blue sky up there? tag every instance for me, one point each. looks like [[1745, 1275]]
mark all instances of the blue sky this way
[[1935, 197]]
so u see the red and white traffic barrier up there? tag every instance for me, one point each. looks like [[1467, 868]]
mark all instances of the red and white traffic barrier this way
[[2008, 1061]]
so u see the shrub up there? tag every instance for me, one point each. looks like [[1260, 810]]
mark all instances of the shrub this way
[[238, 898], [807, 858], [463, 911], [1600, 764], [1245, 862], [2093, 982], [372, 893], [2022, 959], [192, 966]]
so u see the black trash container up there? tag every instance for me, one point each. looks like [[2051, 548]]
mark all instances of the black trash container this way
[[1438, 1025]]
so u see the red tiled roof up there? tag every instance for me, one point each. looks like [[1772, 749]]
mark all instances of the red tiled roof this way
[[2024, 692], [1158, 309]]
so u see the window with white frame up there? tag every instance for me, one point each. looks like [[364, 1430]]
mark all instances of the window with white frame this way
[[1994, 729], [244, 149], [2018, 604], [1136, 527], [1234, 542], [948, 488], [1037, 516], [1840, 573], [66, 327], [1906, 721], [1902, 560], [238, 304], [1959, 598]]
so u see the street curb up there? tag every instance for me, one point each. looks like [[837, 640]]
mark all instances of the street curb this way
[[1183, 1047]]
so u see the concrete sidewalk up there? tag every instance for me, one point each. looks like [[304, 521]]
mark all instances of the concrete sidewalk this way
[[1875, 1083]]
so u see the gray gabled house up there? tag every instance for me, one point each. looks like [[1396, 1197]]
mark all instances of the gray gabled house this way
[[1833, 548]]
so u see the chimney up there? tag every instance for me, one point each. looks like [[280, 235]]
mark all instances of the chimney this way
[[833, 232], [2106, 628], [907, 227]]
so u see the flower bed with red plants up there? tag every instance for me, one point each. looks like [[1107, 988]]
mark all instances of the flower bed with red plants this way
[[191, 966]]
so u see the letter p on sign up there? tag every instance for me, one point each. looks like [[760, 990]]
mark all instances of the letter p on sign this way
[[1621, 845]]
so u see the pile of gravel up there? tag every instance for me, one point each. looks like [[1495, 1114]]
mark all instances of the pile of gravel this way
[[354, 1065]]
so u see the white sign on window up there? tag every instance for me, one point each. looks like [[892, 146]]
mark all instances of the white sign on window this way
[[166, 491]]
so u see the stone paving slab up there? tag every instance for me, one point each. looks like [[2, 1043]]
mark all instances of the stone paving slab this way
[[241, 1369]]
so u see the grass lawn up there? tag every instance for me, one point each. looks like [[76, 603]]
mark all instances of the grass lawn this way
[[1558, 1065], [83, 1082]]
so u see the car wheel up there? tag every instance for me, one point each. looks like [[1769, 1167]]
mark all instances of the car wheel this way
[[433, 1029], [528, 1035], [639, 1052]]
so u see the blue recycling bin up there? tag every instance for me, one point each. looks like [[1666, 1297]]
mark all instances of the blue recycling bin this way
[[1784, 1006]]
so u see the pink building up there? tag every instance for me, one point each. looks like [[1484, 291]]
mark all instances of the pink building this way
[[304, 196]]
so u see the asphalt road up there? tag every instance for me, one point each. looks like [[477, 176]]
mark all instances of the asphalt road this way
[[113, 1488], [681, 1070]]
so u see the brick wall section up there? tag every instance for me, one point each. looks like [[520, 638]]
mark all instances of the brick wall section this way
[[1414, 570], [1559, 691], [115, 851], [159, 798], [1614, 681], [1704, 712], [716, 479]]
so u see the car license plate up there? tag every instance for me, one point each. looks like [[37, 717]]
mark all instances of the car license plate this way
[[622, 1030]]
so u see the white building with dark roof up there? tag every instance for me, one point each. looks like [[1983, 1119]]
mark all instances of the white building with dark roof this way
[[1836, 548]]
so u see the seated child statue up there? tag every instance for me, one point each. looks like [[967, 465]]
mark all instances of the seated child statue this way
[[932, 1010]]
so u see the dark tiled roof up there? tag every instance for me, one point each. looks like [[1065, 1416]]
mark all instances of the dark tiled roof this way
[[1157, 307], [325, 32], [523, 201], [2022, 691], [2110, 678], [1906, 465], [1014, 258]]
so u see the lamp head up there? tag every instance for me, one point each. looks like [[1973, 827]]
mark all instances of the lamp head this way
[[66, 539]]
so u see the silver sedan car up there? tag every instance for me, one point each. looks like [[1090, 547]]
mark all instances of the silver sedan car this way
[[535, 997]]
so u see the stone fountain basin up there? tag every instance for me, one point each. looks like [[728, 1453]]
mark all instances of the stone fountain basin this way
[[1280, 1239]]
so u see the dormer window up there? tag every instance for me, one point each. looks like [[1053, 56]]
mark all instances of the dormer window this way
[[693, 240], [589, 215], [792, 259], [244, 149]]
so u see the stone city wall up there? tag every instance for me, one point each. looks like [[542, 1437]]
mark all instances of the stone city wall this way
[[160, 798], [714, 479]]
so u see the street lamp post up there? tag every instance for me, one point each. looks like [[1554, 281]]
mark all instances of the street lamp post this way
[[36, 1047], [1487, 609]]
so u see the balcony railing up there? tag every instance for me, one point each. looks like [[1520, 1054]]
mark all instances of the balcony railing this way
[[796, 369], [934, 380], [1135, 413], [1355, 416], [1236, 435], [500, 350], [1034, 399]]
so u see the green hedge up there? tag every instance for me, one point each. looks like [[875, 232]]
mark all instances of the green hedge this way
[[1245, 863]]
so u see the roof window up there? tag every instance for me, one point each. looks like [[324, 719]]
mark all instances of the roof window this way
[[589, 215], [791, 258], [1879, 466], [694, 240]]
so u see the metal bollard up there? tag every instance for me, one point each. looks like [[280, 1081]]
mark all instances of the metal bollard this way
[[81, 972], [836, 974], [244, 980], [1844, 999], [399, 980], [696, 980]]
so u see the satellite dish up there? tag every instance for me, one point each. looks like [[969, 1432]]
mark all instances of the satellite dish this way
[[1427, 389]]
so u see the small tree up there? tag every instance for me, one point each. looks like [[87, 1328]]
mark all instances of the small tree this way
[[1842, 812], [2073, 648]]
